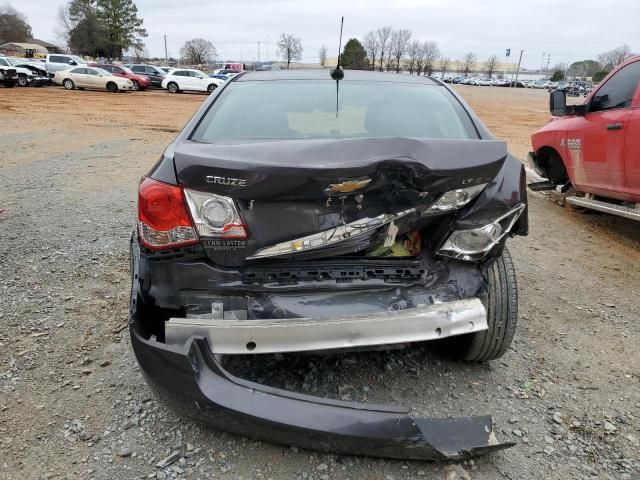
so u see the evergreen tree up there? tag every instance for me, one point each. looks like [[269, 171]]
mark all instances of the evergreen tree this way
[[123, 28], [86, 36], [354, 56]]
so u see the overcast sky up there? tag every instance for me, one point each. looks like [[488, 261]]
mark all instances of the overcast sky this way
[[569, 30]]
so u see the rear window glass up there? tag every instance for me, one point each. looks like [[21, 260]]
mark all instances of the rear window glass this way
[[290, 109]]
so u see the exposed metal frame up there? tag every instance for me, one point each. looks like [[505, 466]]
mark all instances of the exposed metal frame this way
[[429, 322]]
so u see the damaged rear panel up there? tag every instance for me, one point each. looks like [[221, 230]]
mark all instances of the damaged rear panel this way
[[296, 214]]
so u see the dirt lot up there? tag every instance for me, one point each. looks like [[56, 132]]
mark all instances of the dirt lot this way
[[72, 400]]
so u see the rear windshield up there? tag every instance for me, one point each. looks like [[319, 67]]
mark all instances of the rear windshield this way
[[289, 109]]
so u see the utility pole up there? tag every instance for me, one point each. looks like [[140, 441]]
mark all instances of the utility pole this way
[[166, 56], [518, 71], [548, 59], [259, 51], [267, 48], [542, 64]]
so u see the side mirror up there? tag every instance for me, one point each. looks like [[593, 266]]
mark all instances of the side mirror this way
[[558, 103], [72, 62]]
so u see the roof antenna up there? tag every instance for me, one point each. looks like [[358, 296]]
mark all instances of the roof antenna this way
[[337, 73]]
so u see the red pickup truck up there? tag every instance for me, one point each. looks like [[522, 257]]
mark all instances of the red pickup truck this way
[[591, 152]]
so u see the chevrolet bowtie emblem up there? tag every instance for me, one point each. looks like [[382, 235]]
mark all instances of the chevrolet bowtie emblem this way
[[347, 186]]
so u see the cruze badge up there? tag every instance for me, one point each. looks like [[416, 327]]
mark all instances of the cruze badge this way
[[227, 181], [347, 186]]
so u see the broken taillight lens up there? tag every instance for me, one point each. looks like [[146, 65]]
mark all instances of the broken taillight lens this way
[[163, 218]]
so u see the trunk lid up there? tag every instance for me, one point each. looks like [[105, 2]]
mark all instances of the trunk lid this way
[[287, 189]]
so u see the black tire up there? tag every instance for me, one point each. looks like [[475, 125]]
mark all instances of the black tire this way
[[68, 84], [112, 87], [502, 315], [173, 87], [136, 86], [23, 81], [211, 88]]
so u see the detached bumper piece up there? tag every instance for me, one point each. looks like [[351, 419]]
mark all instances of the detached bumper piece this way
[[239, 406]]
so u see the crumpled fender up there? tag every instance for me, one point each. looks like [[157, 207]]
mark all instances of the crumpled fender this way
[[505, 192]]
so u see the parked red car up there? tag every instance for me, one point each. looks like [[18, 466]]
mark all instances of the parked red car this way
[[140, 82], [593, 150]]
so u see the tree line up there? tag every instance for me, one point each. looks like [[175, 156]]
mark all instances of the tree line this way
[[395, 49], [392, 49], [594, 69]]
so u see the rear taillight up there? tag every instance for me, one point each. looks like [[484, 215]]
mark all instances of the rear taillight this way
[[215, 215], [163, 218]]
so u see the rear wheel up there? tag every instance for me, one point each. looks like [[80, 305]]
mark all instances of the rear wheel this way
[[136, 85], [172, 87], [68, 84], [502, 315], [23, 81], [211, 88], [112, 87]]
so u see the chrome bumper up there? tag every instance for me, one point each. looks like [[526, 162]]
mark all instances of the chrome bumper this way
[[419, 324]]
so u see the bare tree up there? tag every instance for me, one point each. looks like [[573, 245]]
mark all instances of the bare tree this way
[[371, 45], [414, 52], [322, 55], [420, 59], [468, 63], [492, 64], [198, 51], [290, 48], [139, 51], [444, 65], [64, 25], [399, 41], [431, 54], [383, 34], [612, 58]]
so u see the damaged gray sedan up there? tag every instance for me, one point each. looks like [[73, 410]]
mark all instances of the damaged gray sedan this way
[[297, 213]]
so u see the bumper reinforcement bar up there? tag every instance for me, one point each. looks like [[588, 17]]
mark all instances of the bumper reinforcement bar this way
[[430, 322]]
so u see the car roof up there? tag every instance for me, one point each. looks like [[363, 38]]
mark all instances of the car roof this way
[[324, 74]]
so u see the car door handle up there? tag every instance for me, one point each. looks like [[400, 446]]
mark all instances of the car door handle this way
[[614, 126]]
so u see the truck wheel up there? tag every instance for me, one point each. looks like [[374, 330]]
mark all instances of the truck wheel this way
[[112, 87], [172, 87], [68, 84], [23, 81], [502, 315]]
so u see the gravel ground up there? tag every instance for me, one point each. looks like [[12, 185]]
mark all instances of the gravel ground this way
[[73, 403]]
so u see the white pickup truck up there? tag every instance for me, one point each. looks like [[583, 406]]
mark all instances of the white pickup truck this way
[[57, 62]]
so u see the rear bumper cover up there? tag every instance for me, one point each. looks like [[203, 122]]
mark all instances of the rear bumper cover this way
[[191, 373]]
